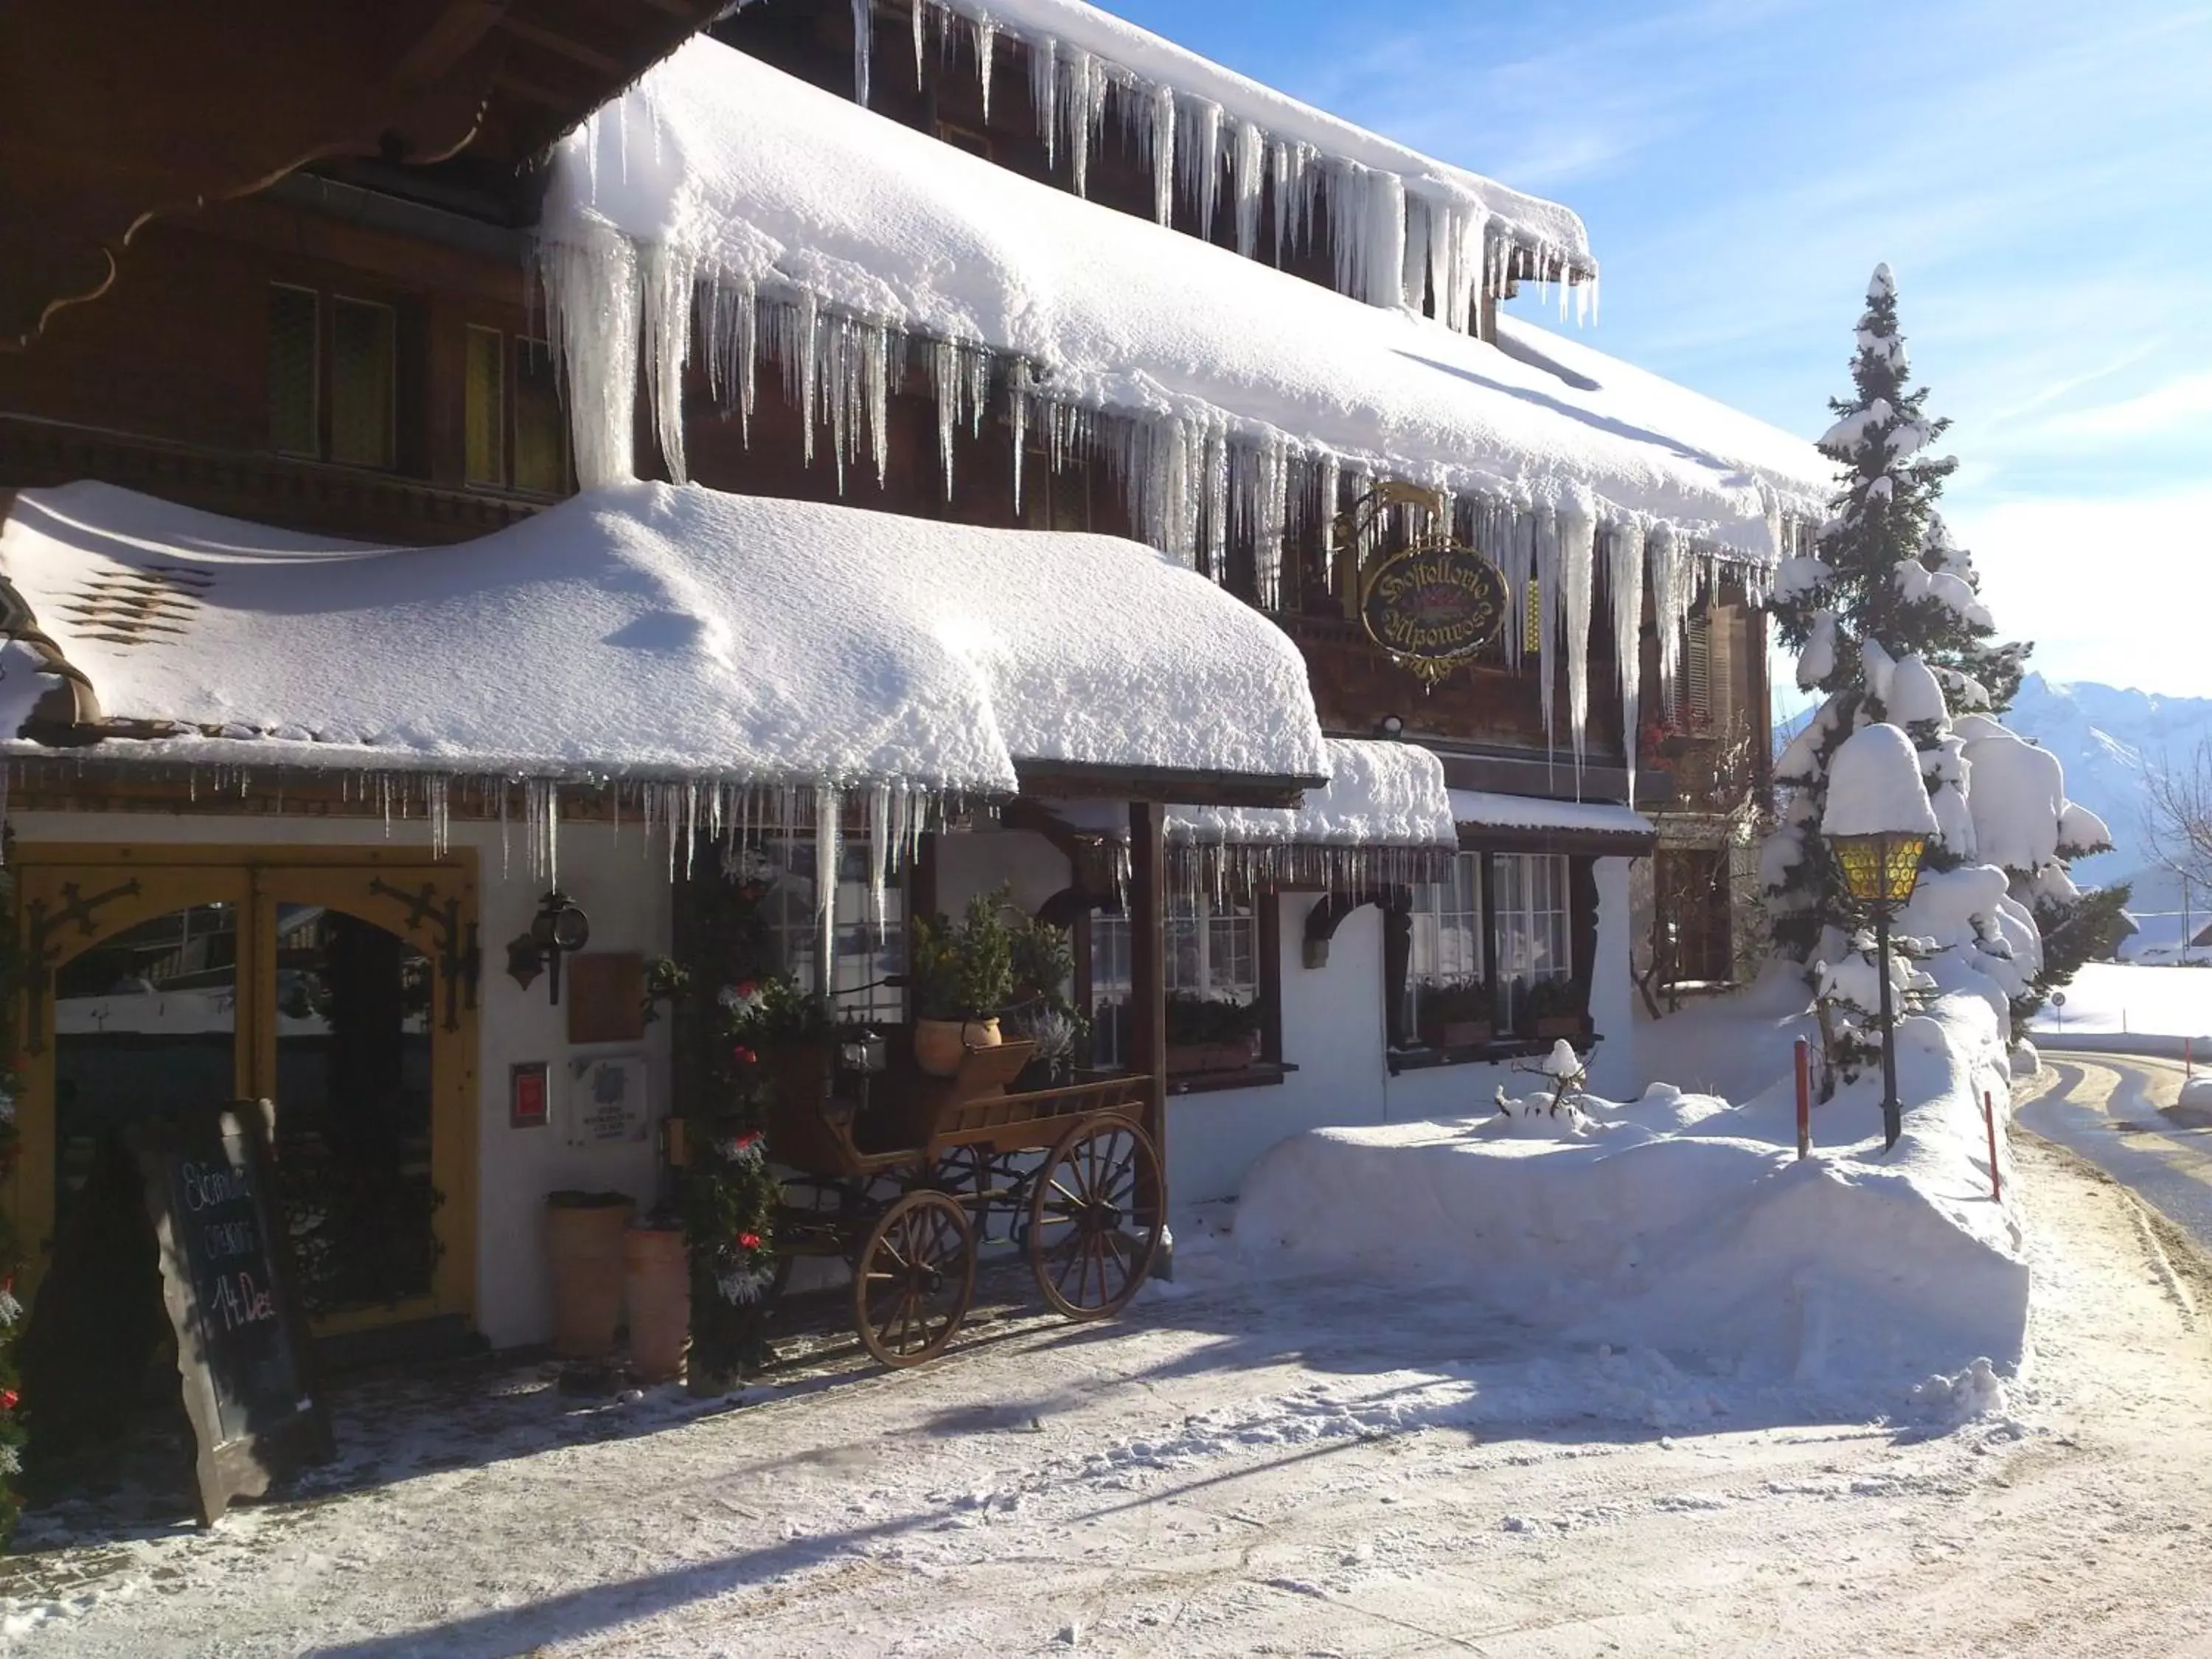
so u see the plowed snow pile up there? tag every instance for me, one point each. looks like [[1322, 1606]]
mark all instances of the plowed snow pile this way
[[1685, 1222]]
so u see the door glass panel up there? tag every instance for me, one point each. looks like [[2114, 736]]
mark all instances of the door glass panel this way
[[144, 1023], [353, 1107]]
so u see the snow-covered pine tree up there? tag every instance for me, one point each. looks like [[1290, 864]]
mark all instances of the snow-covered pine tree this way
[[1887, 617]]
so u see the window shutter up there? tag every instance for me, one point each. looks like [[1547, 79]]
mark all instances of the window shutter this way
[[1698, 670]]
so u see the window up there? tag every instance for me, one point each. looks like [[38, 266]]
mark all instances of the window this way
[[484, 406], [1689, 915], [1446, 946], [1534, 939], [541, 435], [1215, 952], [294, 391], [345, 385], [527, 423], [865, 952]]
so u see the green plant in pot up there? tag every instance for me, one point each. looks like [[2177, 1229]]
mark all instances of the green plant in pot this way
[[962, 977], [1454, 1013], [1554, 1008], [1210, 1034]]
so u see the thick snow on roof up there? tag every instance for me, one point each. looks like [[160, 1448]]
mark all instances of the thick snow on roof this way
[[1206, 110], [719, 165], [655, 631], [1874, 786], [1482, 810], [1379, 794]]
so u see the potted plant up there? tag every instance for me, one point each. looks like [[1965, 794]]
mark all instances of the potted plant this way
[[1053, 1033], [1554, 1009], [1454, 1013], [583, 1242], [963, 975], [1210, 1034]]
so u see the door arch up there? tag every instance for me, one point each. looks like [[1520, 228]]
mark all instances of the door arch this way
[[342, 979]]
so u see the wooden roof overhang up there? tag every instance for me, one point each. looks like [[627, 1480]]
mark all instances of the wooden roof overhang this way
[[111, 117]]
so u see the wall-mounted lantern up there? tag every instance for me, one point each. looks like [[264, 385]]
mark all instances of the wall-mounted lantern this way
[[559, 928]]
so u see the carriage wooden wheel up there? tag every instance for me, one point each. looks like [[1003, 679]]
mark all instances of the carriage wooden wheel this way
[[1095, 1216], [913, 1278]]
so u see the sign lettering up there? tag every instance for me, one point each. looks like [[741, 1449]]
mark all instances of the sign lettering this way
[[1434, 607]]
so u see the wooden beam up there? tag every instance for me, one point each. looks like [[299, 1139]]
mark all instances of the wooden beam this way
[[453, 32], [1148, 976], [562, 45]]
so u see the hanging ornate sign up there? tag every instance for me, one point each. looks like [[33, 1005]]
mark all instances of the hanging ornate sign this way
[[1434, 607]]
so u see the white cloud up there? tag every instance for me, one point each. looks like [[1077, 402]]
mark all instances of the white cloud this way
[[2112, 590], [2178, 403]]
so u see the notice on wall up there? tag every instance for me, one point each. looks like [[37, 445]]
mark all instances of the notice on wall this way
[[607, 1101]]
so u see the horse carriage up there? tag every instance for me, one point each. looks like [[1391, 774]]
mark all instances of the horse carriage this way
[[901, 1175]]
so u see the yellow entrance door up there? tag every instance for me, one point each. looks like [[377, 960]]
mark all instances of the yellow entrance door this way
[[341, 991]]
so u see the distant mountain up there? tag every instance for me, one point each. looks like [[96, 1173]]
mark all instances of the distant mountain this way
[[2107, 739]]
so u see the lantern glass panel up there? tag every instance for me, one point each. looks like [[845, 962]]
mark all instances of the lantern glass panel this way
[[1860, 859], [1901, 867]]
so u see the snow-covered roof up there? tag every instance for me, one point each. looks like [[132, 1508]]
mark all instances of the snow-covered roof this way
[[1210, 133], [722, 169], [1383, 816], [1481, 808], [645, 631]]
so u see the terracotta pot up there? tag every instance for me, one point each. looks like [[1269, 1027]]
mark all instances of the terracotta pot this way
[[584, 1241], [657, 1284], [939, 1045]]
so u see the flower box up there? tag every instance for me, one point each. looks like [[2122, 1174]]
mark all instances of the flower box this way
[[1187, 1057], [1550, 1027], [1465, 1033]]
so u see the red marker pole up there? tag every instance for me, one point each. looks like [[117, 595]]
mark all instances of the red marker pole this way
[[1990, 1122], [1804, 1097]]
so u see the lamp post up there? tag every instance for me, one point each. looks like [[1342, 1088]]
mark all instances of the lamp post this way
[[1878, 821]]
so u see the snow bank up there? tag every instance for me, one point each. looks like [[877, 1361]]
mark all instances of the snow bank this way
[[1684, 1223], [655, 631], [2111, 1005]]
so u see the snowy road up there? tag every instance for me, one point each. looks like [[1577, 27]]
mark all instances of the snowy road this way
[[1294, 1467], [2118, 1110]]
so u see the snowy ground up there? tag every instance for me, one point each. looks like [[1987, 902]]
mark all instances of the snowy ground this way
[[2108, 1000], [1280, 1466]]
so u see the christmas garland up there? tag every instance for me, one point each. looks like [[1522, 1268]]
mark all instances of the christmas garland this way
[[12, 1435], [741, 1017]]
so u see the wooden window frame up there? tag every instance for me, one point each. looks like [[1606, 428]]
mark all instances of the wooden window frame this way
[[1270, 1068], [1411, 1055]]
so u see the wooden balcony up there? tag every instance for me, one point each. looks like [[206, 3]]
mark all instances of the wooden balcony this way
[[315, 496]]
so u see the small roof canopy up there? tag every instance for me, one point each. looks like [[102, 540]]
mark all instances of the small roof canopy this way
[[646, 632], [1384, 819], [1527, 823]]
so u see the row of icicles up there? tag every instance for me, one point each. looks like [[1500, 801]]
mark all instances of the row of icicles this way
[[1194, 488], [1390, 244]]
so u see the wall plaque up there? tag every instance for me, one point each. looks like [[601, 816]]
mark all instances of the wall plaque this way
[[1434, 607], [607, 1102]]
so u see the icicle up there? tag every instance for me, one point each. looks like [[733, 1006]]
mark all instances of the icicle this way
[[1215, 483], [945, 384], [1250, 161], [1018, 418], [1624, 584], [1578, 522], [987, 38], [876, 387], [1200, 157], [864, 46], [1328, 482], [592, 306], [1162, 145], [1273, 523], [1044, 94], [1086, 103], [665, 275], [1293, 181], [732, 309], [920, 14], [880, 855], [1670, 604], [1422, 228], [1547, 596]]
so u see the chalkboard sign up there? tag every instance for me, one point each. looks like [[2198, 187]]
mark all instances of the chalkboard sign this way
[[227, 1284]]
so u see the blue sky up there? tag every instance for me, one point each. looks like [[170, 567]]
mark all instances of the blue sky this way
[[2039, 174]]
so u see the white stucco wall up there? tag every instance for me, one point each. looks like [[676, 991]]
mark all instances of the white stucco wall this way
[[622, 885], [1332, 1031], [975, 863]]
